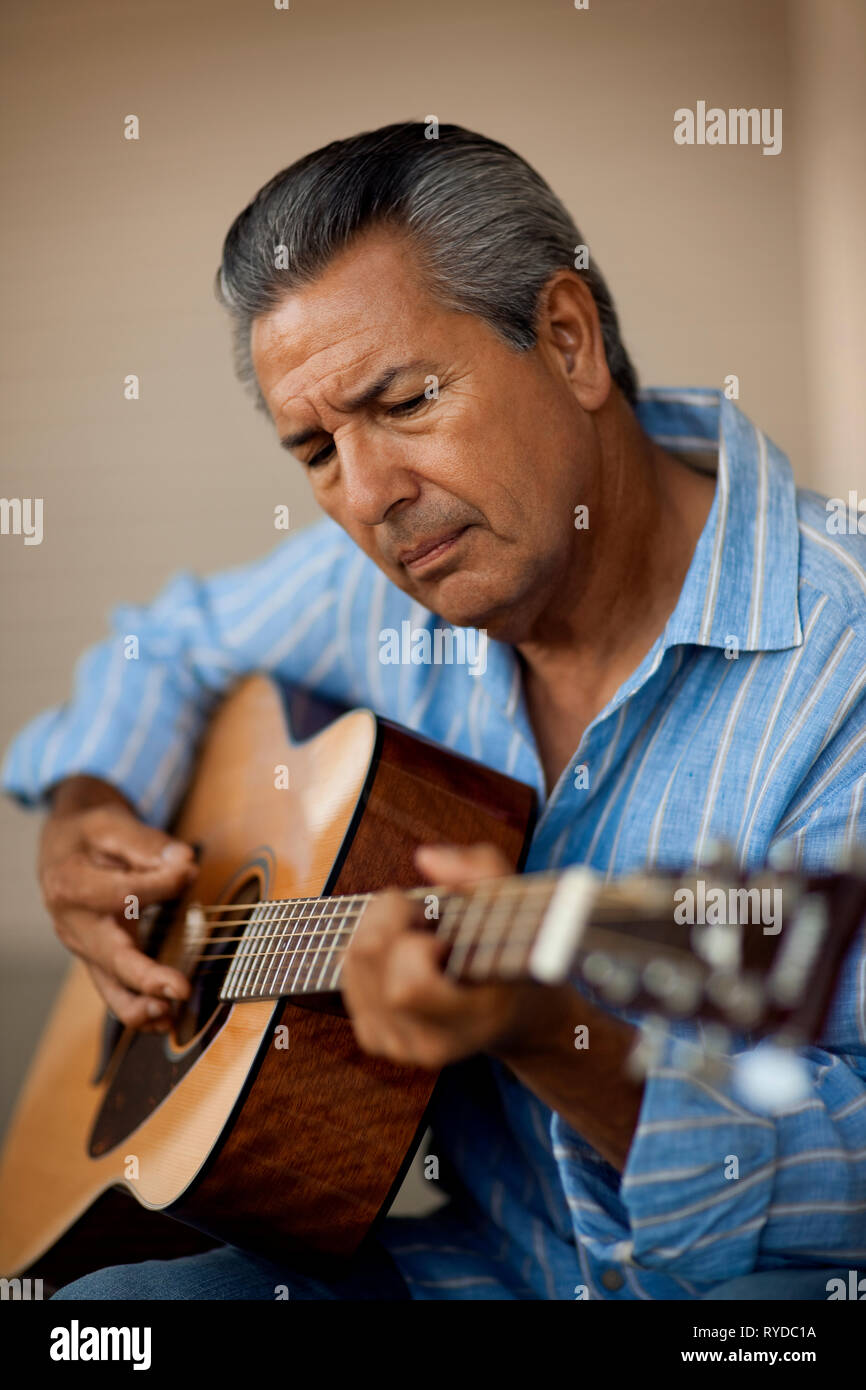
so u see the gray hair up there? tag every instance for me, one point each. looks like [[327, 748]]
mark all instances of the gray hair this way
[[489, 230]]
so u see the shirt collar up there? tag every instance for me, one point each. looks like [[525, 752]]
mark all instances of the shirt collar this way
[[743, 581], [742, 584]]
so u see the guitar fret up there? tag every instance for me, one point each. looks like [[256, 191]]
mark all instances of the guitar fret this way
[[234, 974], [469, 927], [328, 924], [295, 924], [253, 964], [336, 937], [310, 933], [450, 917], [252, 983], [274, 959], [487, 957], [514, 949], [341, 952]]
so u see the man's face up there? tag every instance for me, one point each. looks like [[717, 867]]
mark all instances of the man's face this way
[[454, 461]]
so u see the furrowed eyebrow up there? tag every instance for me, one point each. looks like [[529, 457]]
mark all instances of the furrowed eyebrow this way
[[365, 397]]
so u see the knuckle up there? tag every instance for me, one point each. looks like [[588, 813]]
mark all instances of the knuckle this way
[[489, 859], [102, 817], [430, 1054], [129, 965], [391, 1047], [400, 993], [403, 990], [366, 943], [366, 1036]]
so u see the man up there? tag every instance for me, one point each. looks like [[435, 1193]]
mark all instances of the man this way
[[677, 657]]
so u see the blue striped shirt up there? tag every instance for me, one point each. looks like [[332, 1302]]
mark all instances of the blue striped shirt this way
[[746, 721]]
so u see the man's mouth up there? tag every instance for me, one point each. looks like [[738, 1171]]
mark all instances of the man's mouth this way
[[428, 552]]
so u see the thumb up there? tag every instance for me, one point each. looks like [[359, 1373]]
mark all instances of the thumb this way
[[455, 865], [122, 836]]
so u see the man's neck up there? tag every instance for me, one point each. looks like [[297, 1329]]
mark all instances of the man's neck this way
[[644, 528]]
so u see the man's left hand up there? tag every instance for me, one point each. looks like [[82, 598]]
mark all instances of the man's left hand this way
[[404, 1008]]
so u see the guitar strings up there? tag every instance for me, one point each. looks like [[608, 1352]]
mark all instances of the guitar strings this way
[[285, 925], [294, 927], [242, 960], [291, 925], [518, 937], [320, 939], [492, 888], [303, 949], [334, 939], [516, 897]]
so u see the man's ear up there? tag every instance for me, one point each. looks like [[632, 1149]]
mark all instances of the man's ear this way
[[569, 334]]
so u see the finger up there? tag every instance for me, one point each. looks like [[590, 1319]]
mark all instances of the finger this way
[[455, 865], [104, 943], [413, 982], [133, 1010], [382, 1039], [386, 916], [138, 845], [77, 882]]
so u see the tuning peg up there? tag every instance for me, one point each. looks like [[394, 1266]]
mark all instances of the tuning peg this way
[[615, 980], [782, 856], [720, 854], [740, 998], [717, 943], [712, 1055], [789, 978], [771, 1079], [648, 1050], [853, 861], [678, 986]]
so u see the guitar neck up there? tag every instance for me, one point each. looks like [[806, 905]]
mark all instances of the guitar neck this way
[[676, 946], [297, 946]]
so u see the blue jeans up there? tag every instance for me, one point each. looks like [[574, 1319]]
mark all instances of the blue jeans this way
[[229, 1273]]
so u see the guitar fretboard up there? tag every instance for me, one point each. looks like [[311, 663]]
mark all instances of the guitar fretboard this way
[[627, 940], [297, 946]]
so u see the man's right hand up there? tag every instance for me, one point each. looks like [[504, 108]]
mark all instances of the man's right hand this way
[[94, 855]]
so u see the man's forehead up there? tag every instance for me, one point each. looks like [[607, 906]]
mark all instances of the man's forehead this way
[[371, 302], [335, 370]]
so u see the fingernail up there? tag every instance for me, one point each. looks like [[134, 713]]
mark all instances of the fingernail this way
[[175, 852], [155, 1009], [169, 992]]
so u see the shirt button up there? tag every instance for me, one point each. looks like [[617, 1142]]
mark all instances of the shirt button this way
[[612, 1279]]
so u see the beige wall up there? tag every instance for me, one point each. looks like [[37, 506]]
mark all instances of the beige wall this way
[[716, 256], [828, 47]]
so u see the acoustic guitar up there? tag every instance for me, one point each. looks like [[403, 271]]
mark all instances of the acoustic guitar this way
[[257, 1120]]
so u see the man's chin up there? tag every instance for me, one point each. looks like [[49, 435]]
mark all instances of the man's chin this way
[[489, 612], [461, 600]]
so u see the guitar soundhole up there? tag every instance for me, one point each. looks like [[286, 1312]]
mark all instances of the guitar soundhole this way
[[210, 956]]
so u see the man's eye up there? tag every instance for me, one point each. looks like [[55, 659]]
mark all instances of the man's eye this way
[[321, 457], [406, 407]]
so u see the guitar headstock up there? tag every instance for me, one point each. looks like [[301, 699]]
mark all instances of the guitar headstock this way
[[752, 955]]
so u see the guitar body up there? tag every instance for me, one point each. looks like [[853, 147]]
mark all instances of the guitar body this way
[[257, 1123]]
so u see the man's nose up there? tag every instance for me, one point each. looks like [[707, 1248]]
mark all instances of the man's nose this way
[[374, 478]]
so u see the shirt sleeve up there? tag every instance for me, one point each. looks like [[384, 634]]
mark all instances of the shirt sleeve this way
[[713, 1189], [141, 697]]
